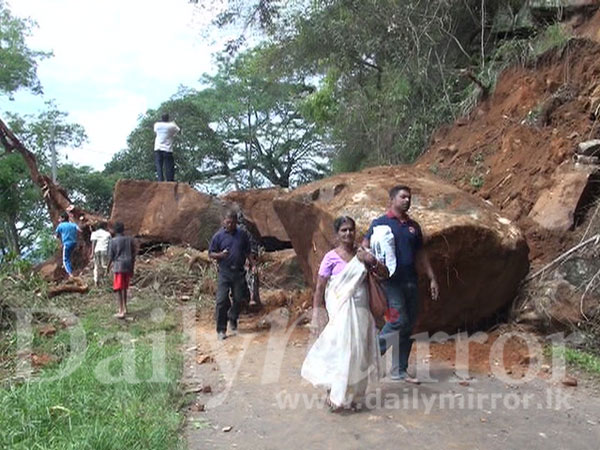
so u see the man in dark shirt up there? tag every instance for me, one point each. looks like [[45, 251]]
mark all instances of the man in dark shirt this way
[[401, 288], [230, 247], [121, 255]]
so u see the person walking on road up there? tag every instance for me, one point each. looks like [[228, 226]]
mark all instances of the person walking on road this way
[[230, 247], [401, 288], [345, 357]]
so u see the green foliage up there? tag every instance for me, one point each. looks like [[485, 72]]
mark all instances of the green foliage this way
[[82, 411], [386, 71], [551, 37], [39, 132], [246, 129], [476, 181], [18, 63], [17, 275], [386, 81], [86, 187], [21, 206], [580, 358], [23, 216]]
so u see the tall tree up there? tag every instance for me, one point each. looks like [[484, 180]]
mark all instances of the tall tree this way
[[260, 120], [22, 210], [246, 129], [386, 69], [18, 63]]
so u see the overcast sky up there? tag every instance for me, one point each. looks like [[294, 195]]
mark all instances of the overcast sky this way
[[113, 59]]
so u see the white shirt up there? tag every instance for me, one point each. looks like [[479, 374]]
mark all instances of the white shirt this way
[[165, 132], [384, 247], [102, 238]]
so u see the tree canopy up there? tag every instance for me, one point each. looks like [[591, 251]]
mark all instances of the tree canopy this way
[[246, 129], [23, 215], [17, 60], [388, 72]]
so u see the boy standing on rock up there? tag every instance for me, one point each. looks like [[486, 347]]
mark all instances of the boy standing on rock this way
[[121, 253]]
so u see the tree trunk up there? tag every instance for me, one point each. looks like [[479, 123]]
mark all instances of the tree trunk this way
[[12, 235], [55, 196]]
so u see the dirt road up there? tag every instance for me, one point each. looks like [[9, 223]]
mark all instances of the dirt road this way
[[257, 400]]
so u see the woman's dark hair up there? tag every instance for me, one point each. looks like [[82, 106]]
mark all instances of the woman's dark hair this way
[[65, 216], [119, 227], [337, 223]]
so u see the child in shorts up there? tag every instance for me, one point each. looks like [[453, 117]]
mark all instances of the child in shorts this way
[[121, 256]]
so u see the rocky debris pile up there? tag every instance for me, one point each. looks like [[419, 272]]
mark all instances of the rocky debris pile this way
[[517, 148], [479, 256], [281, 270]]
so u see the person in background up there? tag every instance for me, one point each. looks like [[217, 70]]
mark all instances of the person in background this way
[[165, 131], [251, 277], [100, 239], [67, 233], [230, 247], [121, 254]]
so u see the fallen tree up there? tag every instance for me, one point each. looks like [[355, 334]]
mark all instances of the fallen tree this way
[[57, 201]]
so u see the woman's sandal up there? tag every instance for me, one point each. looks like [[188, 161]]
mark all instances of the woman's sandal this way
[[333, 408]]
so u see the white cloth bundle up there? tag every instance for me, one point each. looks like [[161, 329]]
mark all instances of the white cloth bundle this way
[[383, 246]]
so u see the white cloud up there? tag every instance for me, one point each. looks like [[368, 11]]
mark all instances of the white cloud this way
[[112, 60]]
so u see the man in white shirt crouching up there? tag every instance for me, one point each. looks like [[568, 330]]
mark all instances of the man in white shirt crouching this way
[[100, 240], [165, 131]]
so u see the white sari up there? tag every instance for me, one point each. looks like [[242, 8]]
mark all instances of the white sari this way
[[345, 357]]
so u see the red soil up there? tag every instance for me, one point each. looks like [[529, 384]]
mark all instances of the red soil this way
[[515, 140]]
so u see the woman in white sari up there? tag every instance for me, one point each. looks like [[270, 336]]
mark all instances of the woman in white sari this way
[[345, 357]]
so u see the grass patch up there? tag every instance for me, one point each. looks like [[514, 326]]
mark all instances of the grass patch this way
[[579, 358], [120, 396]]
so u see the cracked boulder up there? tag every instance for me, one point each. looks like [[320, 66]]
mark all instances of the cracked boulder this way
[[257, 206], [167, 212], [479, 256]]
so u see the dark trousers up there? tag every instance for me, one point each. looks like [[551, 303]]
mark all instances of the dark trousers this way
[[162, 158], [234, 282], [403, 302]]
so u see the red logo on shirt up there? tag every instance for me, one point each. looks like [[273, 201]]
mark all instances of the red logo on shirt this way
[[392, 315]]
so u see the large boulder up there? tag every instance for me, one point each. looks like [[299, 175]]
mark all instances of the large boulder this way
[[257, 206], [479, 256], [281, 269], [167, 212], [559, 205]]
